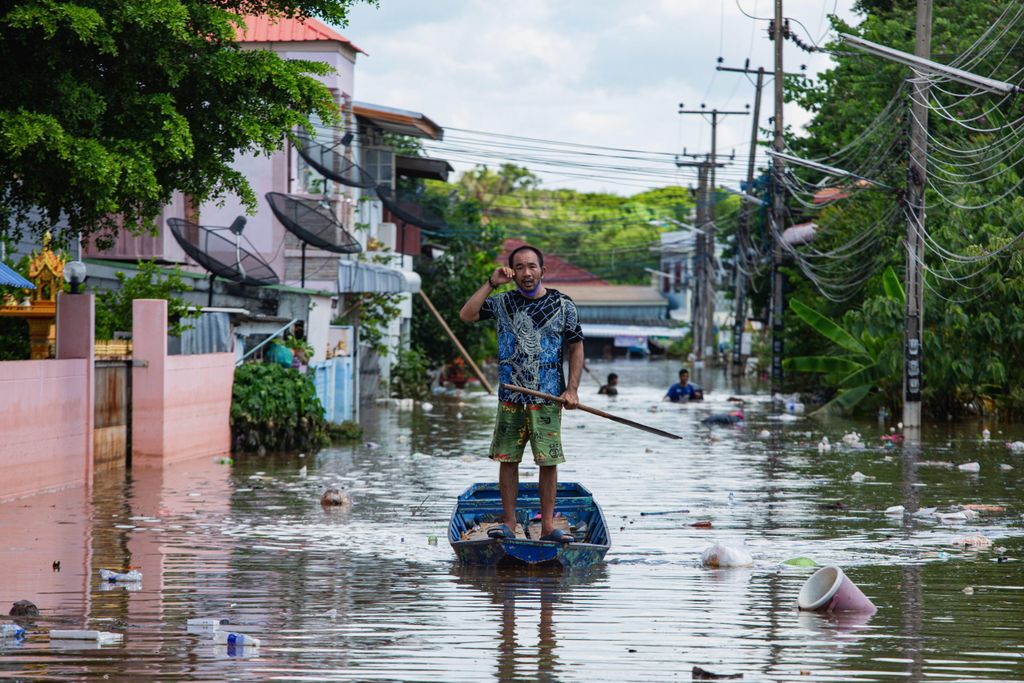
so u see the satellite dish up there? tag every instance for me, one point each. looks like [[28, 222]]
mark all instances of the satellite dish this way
[[223, 256], [426, 219], [331, 163], [312, 223]]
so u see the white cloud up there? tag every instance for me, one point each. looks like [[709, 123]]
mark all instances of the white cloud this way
[[600, 72]]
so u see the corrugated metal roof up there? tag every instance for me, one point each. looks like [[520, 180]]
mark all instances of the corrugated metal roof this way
[[264, 29], [401, 121], [8, 276]]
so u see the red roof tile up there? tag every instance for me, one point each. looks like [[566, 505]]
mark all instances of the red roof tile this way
[[264, 29], [558, 270]]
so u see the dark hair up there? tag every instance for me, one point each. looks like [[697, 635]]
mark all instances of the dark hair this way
[[525, 247], [611, 376], [684, 370]]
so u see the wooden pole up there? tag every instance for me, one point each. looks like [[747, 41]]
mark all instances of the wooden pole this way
[[458, 344], [593, 411]]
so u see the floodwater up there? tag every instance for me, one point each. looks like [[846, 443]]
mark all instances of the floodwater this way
[[374, 593]]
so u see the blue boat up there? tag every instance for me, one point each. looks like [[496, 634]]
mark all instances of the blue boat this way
[[479, 508]]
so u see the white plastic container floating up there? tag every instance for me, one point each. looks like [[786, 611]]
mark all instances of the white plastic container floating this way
[[131, 576], [235, 639], [720, 556], [102, 637]]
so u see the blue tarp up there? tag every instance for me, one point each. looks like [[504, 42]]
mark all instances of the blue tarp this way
[[11, 278]]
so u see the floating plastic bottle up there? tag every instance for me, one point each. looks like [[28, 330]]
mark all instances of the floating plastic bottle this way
[[12, 631], [132, 576], [235, 639]]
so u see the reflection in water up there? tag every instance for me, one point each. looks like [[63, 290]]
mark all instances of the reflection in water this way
[[364, 595], [519, 593]]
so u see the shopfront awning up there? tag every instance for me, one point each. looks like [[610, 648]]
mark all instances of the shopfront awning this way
[[610, 331], [355, 276]]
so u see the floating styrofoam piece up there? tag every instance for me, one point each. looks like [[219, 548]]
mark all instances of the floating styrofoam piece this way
[[858, 476], [969, 467], [721, 555], [131, 576], [895, 510], [101, 637], [427, 405], [1004, 467], [764, 434], [1016, 446], [951, 516], [925, 512], [824, 446]]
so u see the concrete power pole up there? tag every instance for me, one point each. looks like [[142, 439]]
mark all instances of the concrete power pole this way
[[778, 212], [744, 232], [707, 348], [916, 170]]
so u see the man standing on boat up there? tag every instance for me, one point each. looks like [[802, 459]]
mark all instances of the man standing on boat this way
[[534, 323]]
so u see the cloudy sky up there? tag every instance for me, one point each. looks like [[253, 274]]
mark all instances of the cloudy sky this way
[[607, 73]]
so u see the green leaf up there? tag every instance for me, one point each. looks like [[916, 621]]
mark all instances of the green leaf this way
[[893, 287], [868, 375], [827, 327], [845, 400], [822, 364]]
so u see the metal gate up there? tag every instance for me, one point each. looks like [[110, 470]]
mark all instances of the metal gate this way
[[112, 433], [369, 374]]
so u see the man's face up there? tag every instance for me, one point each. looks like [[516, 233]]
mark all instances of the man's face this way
[[528, 272], [684, 377]]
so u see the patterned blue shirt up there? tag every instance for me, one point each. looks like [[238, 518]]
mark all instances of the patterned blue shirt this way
[[531, 334]]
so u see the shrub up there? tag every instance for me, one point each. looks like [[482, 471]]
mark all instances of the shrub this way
[[275, 409], [409, 378]]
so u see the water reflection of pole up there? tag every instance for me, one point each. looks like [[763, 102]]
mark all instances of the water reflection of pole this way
[[911, 598]]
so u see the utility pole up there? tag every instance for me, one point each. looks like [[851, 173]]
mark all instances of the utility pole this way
[[743, 236], [697, 293], [708, 347], [778, 211], [916, 175]]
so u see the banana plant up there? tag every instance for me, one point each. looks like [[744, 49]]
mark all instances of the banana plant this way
[[863, 361]]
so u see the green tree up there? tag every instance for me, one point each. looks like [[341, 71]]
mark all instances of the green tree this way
[[974, 327], [109, 107], [114, 307]]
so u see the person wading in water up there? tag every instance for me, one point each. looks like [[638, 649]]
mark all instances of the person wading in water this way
[[534, 323]]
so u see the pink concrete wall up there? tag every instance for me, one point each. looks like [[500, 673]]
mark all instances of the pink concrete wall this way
[[181, 405], [45, 423], [46, 409]]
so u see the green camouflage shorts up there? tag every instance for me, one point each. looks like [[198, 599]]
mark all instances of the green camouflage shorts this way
[[517, 423]]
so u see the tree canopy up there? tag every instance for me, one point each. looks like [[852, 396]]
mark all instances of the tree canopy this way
[[109, 107]]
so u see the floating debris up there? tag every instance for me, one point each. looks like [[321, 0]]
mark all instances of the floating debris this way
[[800, 562], [130, 576], [895, 510], [720, 556], [982, 507], [335, 498], [968, 590], [824, 446], [852, 439], [969, 467], [699, 674], [858, 476], [977, 542]]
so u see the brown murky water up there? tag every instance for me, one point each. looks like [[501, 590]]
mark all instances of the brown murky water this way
[[365, 595]]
